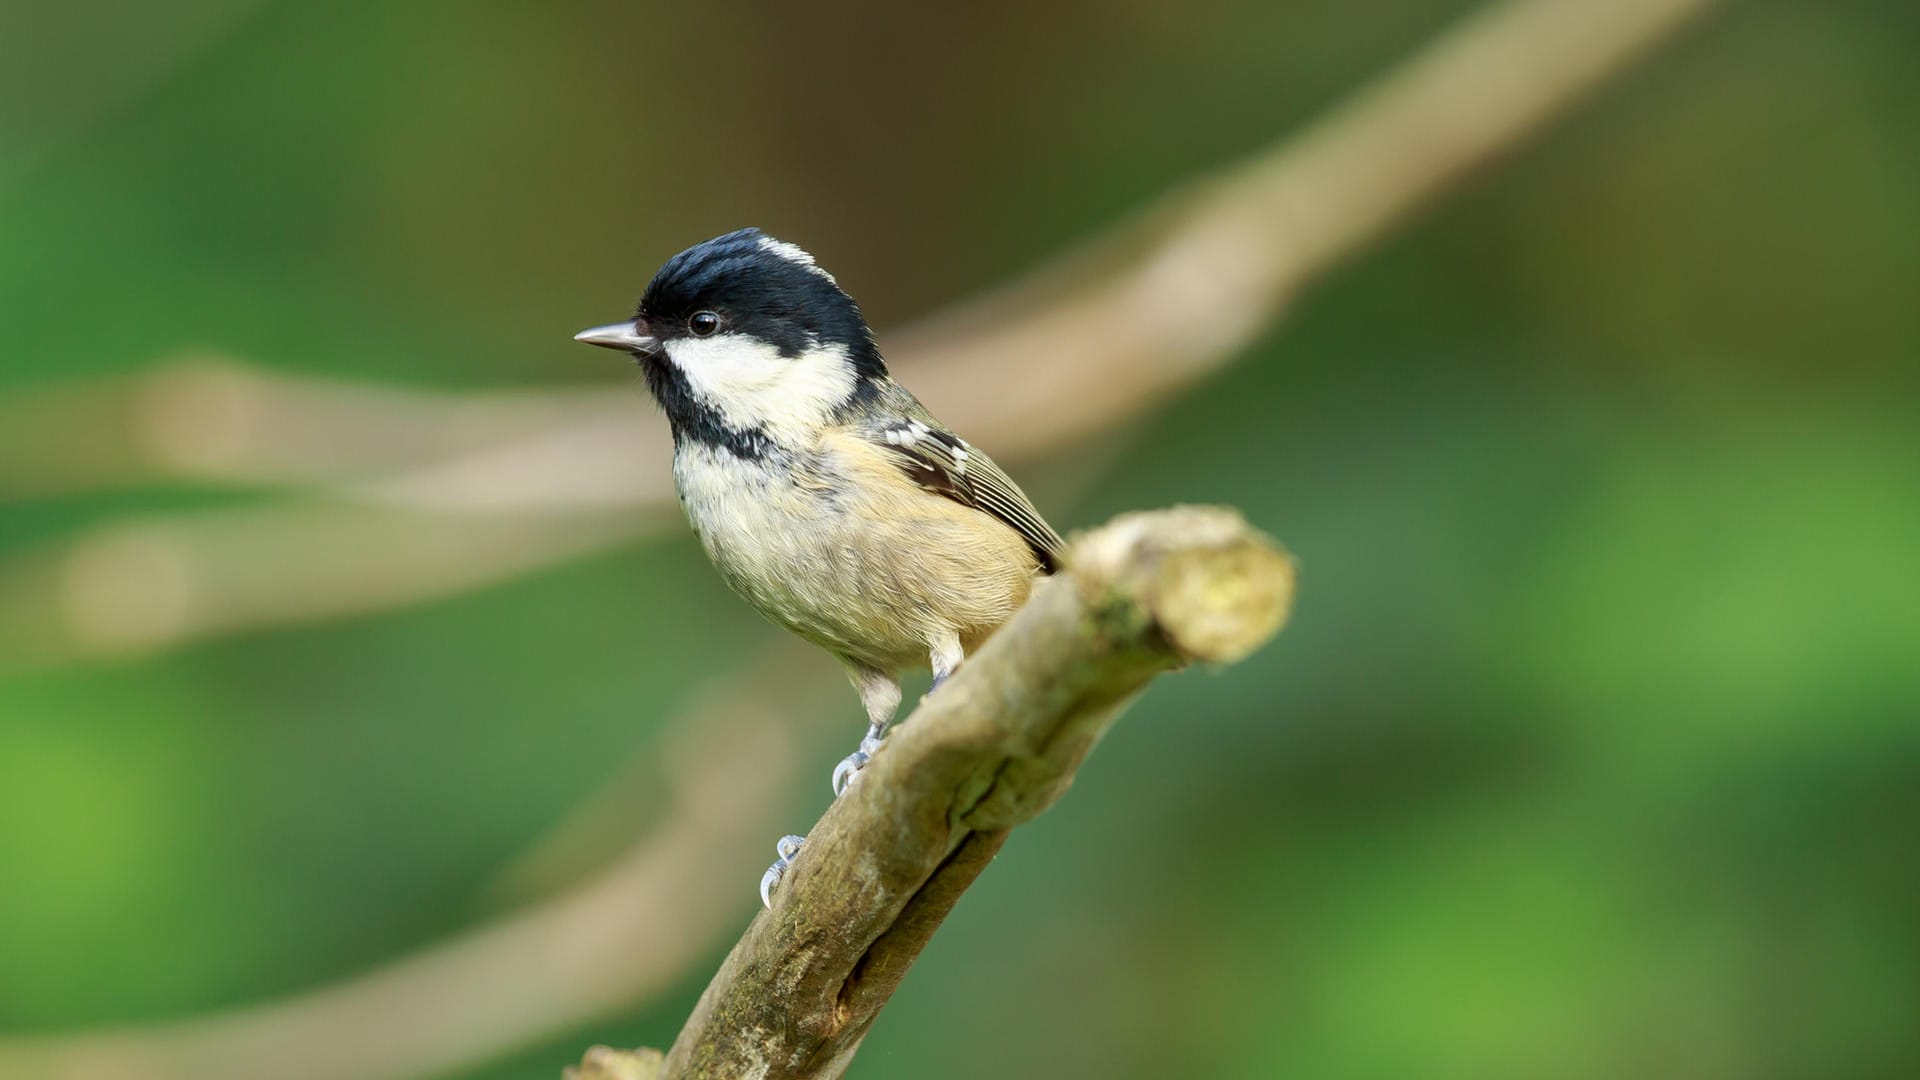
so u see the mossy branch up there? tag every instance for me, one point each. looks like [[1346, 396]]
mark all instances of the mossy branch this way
[[996, 746]]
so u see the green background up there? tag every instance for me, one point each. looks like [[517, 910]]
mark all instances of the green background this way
[[1592, 748]]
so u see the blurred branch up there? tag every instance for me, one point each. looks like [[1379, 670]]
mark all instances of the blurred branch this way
[[1256, 234], [627, 933], [210, 419], [142, 584], [1123, 322], [997, 745]]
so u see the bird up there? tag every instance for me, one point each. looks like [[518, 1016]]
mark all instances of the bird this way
[[823, 491]]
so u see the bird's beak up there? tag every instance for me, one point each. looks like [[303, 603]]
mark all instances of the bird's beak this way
[[621, 335]]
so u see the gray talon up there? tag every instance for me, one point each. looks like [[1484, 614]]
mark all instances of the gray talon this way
[[787, 847], [849, 768]]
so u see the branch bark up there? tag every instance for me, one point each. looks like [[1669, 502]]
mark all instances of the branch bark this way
[[996, 746]]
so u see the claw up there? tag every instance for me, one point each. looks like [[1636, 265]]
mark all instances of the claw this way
[[786, 848], [849, 768]]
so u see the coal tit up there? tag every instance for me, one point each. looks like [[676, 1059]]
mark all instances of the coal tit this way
[[823, 491]]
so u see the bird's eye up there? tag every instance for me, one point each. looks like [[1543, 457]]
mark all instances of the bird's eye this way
[[703, 323]]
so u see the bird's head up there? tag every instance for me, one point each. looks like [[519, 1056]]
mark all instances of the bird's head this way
[[744, 337]]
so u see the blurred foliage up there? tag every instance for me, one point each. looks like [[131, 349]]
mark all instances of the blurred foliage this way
[[1592, 750]]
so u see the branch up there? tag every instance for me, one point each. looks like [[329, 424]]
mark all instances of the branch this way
[[141, 584], [205, 418], [995, 747], [1124, 321]]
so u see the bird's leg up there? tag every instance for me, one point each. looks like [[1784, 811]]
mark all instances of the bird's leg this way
[[880, 693], [945, 655]]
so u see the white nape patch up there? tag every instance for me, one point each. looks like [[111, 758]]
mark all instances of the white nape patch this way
[[793, 254], [751, 385]]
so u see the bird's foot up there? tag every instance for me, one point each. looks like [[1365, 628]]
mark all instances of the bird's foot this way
[[849, 768], [788, 848]]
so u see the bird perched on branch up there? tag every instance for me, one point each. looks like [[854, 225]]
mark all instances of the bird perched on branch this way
[[824, 492]]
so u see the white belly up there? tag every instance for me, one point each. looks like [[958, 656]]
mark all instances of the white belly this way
[[876, 571], [779, 547]]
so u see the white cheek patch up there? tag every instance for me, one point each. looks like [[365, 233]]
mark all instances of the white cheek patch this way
[[751, 385]]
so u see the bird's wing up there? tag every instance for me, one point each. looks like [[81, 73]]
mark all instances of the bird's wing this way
[[944, 463]]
